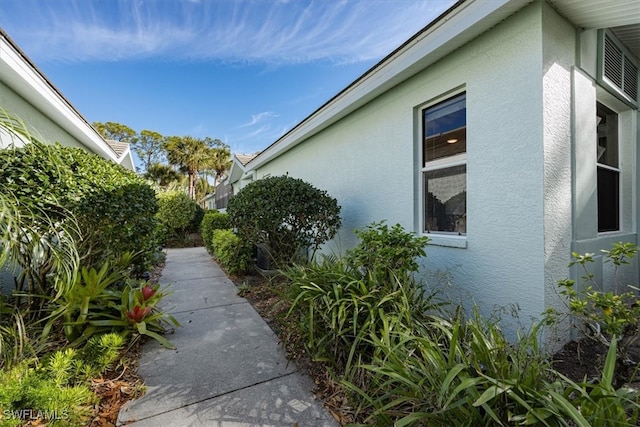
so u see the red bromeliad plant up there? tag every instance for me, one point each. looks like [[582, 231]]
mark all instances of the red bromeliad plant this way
[[139, 309], [137, 314], [148, 292], [132, 310]]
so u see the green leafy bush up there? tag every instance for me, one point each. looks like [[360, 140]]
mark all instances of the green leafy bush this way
[[233, 254], [111, 209], [213, 220], [387, 250], [115, 208], [176, 211], [196, 221], [56, 391], [287, 216], [339, 307]]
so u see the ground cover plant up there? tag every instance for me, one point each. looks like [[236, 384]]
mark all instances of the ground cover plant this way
[[56, 389], [436, 365]]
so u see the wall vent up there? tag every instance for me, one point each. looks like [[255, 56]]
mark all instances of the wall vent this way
[[618, 68]]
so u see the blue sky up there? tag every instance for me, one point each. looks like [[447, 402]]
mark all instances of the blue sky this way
[[243, 71]]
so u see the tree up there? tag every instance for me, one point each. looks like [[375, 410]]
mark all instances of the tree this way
[[161, 174], [148, 146], [193, 155], [115, 131]]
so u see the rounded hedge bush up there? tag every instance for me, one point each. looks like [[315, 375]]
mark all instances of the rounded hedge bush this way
[[232, 253], [176, 211], [213, 220], [286, 216]]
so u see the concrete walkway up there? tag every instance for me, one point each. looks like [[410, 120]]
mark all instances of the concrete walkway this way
[[228, 369]]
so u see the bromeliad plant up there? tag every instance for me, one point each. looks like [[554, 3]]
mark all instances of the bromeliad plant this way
[[106, 300], [136, 314], [139, 306]]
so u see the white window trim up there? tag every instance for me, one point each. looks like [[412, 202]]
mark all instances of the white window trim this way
[[615, 107], [439, 238]]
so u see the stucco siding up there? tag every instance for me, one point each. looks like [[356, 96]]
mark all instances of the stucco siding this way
[[38, 122], [370, 160], [559, 47]]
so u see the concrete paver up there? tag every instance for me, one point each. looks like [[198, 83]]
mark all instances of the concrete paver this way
[[227, 369]]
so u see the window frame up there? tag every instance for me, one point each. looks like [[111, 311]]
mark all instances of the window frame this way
[[617, 169], [444, 238]]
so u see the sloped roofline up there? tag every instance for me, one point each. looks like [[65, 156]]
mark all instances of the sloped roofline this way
[[461, 23], [22, 75]]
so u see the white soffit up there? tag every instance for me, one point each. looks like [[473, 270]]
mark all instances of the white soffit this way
[[622, 16]]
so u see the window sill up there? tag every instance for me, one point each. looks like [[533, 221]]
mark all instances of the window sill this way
[[451, 241]]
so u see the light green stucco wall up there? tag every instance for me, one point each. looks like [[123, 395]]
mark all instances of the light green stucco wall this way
[[35, 119]]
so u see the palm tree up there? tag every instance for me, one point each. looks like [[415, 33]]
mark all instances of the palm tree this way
[[161, 174], [193, 155]]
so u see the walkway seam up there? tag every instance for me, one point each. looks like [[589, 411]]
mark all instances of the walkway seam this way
[[208, 308], [216, 396]]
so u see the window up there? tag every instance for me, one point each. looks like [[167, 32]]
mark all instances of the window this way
[[444, 169], [608, 170]]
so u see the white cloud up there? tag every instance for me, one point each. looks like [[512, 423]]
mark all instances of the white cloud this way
[[275, 32], [260, 117]]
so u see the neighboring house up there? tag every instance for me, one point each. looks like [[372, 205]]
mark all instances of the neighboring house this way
[[26, 92], [208, 201], [505, 130], [234, 180]]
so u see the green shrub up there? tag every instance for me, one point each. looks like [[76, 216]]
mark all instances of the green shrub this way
[[233, 254], [196, 221], [340, 308], [287, 216], [115, 208], [387, 250], [604, 316], [176, 211], [213, 220], [112, 207]]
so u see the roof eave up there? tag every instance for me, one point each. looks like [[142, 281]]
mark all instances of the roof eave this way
[[463, 22], [21, 75]]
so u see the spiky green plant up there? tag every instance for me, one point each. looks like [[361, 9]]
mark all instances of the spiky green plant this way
[[37, 235]]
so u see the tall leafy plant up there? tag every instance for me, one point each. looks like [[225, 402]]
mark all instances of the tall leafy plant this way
[[38, 233]]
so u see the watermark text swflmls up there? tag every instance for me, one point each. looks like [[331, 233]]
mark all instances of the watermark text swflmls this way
[[34, 414]]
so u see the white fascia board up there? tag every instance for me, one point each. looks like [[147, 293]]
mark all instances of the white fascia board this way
[[126, 160], [21, 77], [461, 25], [236, 171]]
